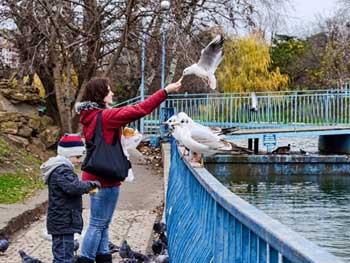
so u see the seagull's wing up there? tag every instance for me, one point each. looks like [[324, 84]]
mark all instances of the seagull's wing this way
[[201, 132], [206, 137], [192, 144], [212, 54], [213, 143], [216, 130], [176, 133]]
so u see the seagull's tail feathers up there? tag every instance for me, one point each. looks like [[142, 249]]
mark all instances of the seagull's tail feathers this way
[[231, 148], [223, 146], [242, 150], [228, 131]]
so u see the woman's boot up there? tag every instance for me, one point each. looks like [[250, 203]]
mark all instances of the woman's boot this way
[[85, 260], [104, 258]]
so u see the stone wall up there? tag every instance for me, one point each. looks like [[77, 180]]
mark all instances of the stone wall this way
[[19, 119], [27, 129], [18, 94]]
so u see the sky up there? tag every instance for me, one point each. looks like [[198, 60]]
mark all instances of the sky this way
[[305, 13]]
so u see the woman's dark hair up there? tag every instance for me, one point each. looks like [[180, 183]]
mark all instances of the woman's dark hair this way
[[96, 90]]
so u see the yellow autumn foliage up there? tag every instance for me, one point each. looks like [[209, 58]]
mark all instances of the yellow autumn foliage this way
[[37, 83], [246, 66]]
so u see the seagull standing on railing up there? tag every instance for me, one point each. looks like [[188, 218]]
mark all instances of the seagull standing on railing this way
[[170, 123], [201, 140], [210, 59], [216, 130]]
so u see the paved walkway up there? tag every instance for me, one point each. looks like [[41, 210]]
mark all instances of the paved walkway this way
[[138, 208]]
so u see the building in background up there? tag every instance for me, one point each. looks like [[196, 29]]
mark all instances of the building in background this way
[[8, 54]]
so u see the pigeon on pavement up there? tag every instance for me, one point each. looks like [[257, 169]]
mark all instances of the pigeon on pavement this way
[[28, 259], [4, 244]]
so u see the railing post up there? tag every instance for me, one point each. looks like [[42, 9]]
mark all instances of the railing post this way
[[327, 108], [207, 108], [268, 109], [165, 113], [142, 86], [295, 109]]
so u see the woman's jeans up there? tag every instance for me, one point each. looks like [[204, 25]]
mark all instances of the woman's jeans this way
[[102, 205], [63, 248]]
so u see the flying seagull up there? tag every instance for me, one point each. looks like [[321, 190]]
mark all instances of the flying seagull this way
[[254, 106], [210, 59]]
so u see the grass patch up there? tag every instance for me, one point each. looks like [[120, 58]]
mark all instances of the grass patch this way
[[5, 150], [19, 173], [29, 159], [17, 187]]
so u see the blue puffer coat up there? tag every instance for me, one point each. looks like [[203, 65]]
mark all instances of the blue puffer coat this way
[[64, 215]]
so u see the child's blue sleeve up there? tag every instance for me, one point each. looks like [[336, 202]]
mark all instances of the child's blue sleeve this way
[[69, 182]]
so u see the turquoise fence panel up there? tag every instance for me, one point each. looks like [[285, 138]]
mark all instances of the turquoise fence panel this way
[[273, 255], [206, 223], [253, 247], [275, 109], [262, 251], [245, 244]]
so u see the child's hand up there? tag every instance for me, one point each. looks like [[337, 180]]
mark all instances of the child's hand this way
[[95, 185], [94, 191]]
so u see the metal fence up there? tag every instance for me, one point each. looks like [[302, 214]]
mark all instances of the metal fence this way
[[206, 223], [275, 109]]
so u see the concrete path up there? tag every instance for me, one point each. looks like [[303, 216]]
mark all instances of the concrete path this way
[[138, 207]]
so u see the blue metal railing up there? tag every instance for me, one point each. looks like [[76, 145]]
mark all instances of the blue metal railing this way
[[207, 223], [276, 109]]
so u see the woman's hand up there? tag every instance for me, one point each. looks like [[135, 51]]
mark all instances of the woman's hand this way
[[173, 87]]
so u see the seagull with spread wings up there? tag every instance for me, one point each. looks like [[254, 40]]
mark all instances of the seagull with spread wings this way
[[210, 59], [254, 106]]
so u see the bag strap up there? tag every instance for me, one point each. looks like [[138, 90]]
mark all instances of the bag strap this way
[[98, 127], [99, 132]]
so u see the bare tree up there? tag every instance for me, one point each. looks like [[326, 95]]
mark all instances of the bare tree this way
[[63, 40], [336, 48], [67, 42]]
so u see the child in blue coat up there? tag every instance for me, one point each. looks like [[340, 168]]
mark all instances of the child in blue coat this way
[[64, 214]]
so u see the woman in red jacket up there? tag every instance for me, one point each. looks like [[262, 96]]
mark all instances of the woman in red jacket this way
[[97, 97]]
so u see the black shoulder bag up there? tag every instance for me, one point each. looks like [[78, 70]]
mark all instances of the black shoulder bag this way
[[105, 160]]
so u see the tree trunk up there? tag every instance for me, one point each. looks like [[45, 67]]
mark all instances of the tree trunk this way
[[174, 60]]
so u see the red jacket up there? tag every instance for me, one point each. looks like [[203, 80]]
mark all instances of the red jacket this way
[[114, 119]]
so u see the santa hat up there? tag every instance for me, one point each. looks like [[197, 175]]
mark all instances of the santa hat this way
[[71, 145]]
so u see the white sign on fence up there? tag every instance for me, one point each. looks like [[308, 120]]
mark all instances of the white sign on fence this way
[[269, 140]]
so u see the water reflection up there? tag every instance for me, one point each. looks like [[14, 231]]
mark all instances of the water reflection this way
[[317, 206]]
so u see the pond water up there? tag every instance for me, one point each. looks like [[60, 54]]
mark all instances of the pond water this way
[[317, 207]]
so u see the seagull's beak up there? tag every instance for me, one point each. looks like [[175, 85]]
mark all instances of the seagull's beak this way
[[179, 81], [165, 123]]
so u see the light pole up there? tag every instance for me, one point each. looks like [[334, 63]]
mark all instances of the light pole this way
[[164, 112], [143, 55], [164, 5]]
